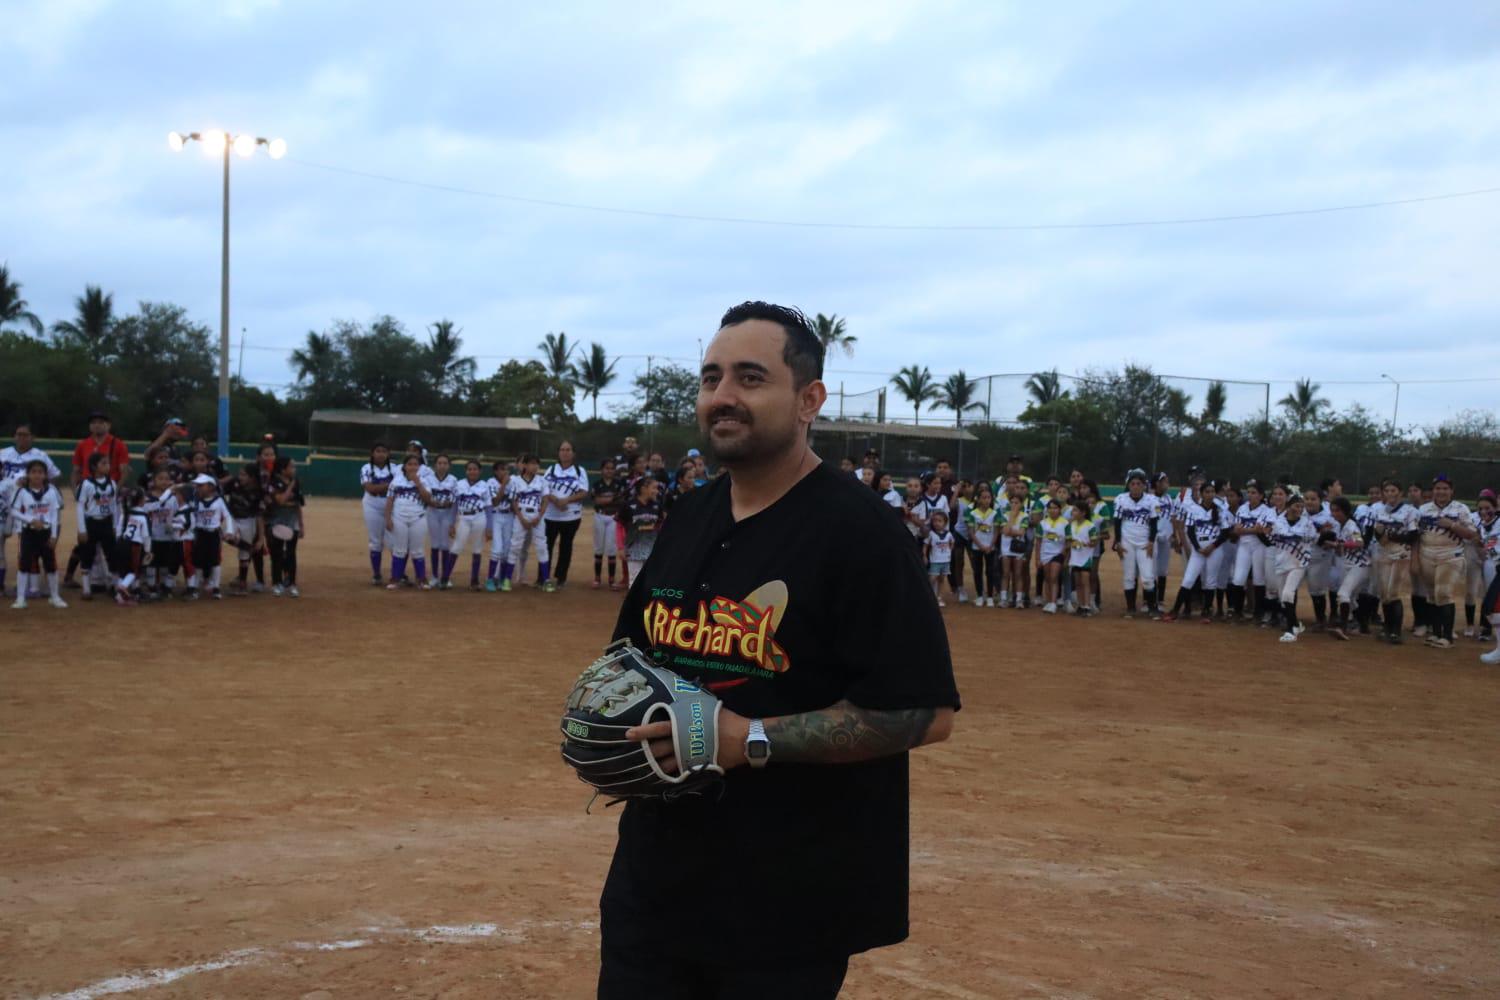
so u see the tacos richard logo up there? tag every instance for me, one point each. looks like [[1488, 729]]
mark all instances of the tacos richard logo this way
[[744, 630]]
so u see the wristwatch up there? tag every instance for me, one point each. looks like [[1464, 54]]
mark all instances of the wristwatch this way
[[757, 746]]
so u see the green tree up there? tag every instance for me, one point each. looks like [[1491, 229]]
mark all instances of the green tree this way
[[1303, 404], [524, 389], [1136, 409], [388, 368], [833, 332], [163, 366], [1045, 387], [13, 308], [322, 371], [594, 373], [957, 394], [92, 328], [557, 352], [1214, 401], [668, 394], [450, 371], [45, 385], [917, 386]]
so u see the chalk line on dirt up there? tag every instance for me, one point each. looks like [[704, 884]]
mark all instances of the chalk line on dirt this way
[[144, 979]]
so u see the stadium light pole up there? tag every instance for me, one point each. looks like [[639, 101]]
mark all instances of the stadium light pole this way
[[216, 142], [1397, 408]]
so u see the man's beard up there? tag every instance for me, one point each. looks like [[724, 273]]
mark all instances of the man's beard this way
[[753, 446]]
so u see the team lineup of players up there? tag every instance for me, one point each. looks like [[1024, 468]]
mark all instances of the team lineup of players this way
[[428, 516], [135, 540], [1246, 551]]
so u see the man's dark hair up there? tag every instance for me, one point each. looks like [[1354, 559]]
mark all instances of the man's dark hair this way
[[803, 352]]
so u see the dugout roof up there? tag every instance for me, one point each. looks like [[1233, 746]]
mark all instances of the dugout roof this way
[[931, 432], [423, 420]]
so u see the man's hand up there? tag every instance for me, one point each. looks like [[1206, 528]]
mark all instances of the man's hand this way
[[733, 729]]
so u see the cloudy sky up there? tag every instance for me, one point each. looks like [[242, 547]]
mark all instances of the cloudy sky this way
[[861, 114]]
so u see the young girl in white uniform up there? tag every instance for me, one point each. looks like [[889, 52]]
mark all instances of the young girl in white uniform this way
[[530, 494], [1353, 551], [1082, 543], [501, 523], [1320, 567], [1136, 517], [1294, 536], [98, 519], [375, 479], [471, 506], [440, 516], [1203, 530], [406, 503], [35, 515], [1252, 529], [1052, 552]]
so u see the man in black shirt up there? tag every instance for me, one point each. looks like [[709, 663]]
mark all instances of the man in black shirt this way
[[795, 595]]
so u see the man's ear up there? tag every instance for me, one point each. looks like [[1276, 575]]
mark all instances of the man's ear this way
[[810, 399]]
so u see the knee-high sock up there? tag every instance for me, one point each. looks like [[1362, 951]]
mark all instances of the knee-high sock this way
[[398, 567], [1289, 611], [598, 566], [1210, 597], [259, 562], [73, 560], [1236, 600], [1450, 615], [1419, 609], [2, 577], [375, 564], [1130, 600], [23, 582], [421, 566], [1320, 607], [1260, 597], [1468, 615], [1183, 599], [1161, 588], [474, 569], [611, 569], [494, 565], [1343, 614], [1393, 614], [506, 569], [52, 584], [543, 570]]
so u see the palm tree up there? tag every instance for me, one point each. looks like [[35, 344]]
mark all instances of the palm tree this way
[[957, 394], [316, 358], [594, 373], [1303, 404], [93, 326], [1213, 406], [831, 331], [917, 386], [451, 372], [557, 353], [1045, 387], [12, 306]]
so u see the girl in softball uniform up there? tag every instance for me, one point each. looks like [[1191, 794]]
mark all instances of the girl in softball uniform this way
[[1353, 550], [246, 499], [471, 513], [1395, 530], [1230, 500], [98, 519], [937, 553], [1161, 488], [162, 514], [911, 509], [1294, 537], [212, 525], [984, 531], [1320, 567], [1136, 513], [406, 502], [609, 497], [1052, 550], [1203, 526], [1252, 532], [1445, 525], [501, 523], [1487, 547], [530, 494], [440, 515], [8, 487], [36, 515], [963, 501], [285, 527], [1082, 542], [1014, 532], [642, 518], [131, 547], [375, 479], [886, 487]]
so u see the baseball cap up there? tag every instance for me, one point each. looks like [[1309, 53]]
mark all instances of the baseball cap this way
[[175, 422], [694, 453], [1486, 494], [98, 415], [205, 480], [1441, 477], [1014, 458], [1135, 474]]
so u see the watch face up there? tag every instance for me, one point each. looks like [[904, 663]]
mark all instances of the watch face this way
[[757, 749]]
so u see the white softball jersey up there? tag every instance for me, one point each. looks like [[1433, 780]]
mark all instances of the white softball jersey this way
[[13, 463], [1136, 517], [442, 490], [1054, 534], [1294, 542], [29, 506], [528, 496], [406, 502], [211, 515], [8, 488], [1353, 556], [561, 484], [940, 547], [472, 498], [377, 474], [1082, 540], [98, 501]]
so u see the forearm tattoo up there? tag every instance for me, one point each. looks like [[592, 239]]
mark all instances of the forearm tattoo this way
[[845, 734]]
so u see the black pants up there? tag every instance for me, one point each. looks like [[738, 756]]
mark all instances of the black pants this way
[[283, 560], [207, 549], [37, 553], [99, 539], [961, 546], [984, 572], [564, 530], [666, 974], [166, 556]]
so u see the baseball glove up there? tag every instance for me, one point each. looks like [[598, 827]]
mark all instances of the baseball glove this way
[[620, 690]]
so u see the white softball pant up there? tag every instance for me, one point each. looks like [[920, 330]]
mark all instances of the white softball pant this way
[[1353, 583], [606, 539], [1474, 567], [1284, 577], [536, 534], [1163, 554], [1249, 563], [1319, 572], [1140, 563], [440, 521], [467, 528], [374, 511], [244, 528], [501, 530], [409, 537], [1231, 554], [1205, 569]]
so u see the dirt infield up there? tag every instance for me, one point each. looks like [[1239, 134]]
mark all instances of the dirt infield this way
[[358, 795]]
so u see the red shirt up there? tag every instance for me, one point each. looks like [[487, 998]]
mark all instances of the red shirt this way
[[119, 455]]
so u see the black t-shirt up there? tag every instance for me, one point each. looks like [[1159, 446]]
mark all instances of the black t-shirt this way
[[243, 503], [817, 599], [608, 496]]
